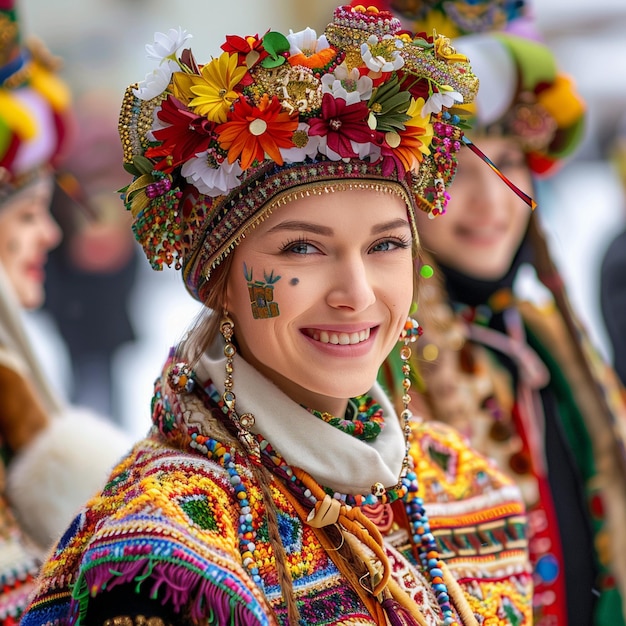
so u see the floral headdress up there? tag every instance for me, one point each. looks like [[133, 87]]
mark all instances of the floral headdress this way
[[34, 106], [212, 147], [523, 95], [522, 92]]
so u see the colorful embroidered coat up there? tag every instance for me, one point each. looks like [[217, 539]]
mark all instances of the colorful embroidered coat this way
[[530, 398], [182, 518]]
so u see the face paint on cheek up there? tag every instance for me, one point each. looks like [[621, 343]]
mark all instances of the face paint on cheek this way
[[262, 294], [294, 281]]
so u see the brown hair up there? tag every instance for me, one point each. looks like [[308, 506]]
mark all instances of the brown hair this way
[[206, 326]]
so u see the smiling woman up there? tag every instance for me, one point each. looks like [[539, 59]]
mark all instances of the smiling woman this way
[[520, 378], [279, 484], [27, 233]]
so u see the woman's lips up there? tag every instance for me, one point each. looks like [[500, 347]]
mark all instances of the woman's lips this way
[[338, 337], [35, 271], [342, 343], [485, 235]]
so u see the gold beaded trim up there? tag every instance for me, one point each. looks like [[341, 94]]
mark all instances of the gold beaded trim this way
[[135, 122]]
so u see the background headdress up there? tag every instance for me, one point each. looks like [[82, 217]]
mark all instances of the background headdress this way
[[522, 92], [34, 106], [215, 147]]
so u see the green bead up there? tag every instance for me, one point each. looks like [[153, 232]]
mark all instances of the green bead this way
[[426, 271]]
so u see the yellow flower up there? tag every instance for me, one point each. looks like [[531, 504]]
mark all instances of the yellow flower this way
[[445, 50], [214, 89], [415, 139], [562, 101], [436, 22]]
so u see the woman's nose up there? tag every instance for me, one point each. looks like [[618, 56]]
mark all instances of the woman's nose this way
[[51, 233], [351, 287]]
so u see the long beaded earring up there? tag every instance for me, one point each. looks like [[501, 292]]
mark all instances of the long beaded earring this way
[[410, 333], [243, 422]]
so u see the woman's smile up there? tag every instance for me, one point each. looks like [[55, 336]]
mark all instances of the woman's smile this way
[[338, 337]]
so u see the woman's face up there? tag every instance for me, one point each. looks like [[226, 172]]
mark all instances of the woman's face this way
[[319, 293], [485, 221], [27, 233]]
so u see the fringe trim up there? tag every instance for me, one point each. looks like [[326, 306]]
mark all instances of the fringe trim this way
[[212, 595]]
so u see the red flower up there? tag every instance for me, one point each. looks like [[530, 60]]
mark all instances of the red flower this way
[[252, 132], [341, 123], [417, 87], [186, 135], [391, 161]]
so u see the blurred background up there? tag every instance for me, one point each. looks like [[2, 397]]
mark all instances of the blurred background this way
[[102, 44]]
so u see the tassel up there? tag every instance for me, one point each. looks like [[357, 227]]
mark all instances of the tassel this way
[[525, 197], [396, 614]]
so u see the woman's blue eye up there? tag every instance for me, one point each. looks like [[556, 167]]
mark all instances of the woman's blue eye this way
[[301, 248], [383, 246], [388, 244]]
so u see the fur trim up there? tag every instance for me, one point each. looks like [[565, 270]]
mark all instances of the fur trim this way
[[60, 470], [22, 415]]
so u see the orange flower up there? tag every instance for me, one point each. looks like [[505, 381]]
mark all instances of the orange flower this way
[[314, 61], [253, 132]]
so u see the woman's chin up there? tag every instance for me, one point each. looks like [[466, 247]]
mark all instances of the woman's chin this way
[[31, 297]]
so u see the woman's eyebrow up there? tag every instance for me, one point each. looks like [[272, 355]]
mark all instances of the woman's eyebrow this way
[[397, 223], [317, 229]]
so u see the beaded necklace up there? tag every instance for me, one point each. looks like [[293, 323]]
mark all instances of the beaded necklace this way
[[423, 538], [364, 418], [307, 490]]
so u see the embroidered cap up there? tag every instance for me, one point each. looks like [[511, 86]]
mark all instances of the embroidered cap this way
[[34, 106], [215, 147]]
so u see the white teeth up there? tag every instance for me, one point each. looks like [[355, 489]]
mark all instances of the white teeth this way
[[343, 339]]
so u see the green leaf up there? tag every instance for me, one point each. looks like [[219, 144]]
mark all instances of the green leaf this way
[[131, 169], [275, 44], [389, 123], [398, 102], [143, 164]]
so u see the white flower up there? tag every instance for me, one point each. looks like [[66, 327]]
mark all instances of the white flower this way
[[212, 181], [306, 42], [166, 46], [362, 150], [377, 62], [306, 146], [328, 152], [349, 85], [437, 101], [365, 150], [156, 82]]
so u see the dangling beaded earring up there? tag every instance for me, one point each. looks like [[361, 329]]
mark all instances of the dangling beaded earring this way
[[411, 331], [409, 334], [243, 422]]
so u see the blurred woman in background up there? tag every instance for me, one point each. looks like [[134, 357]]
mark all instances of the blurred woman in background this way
[[520, 379], [52, 458]]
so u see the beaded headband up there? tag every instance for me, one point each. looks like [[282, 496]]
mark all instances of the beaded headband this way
[[522, 93], [212, 145], [34, 107]]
